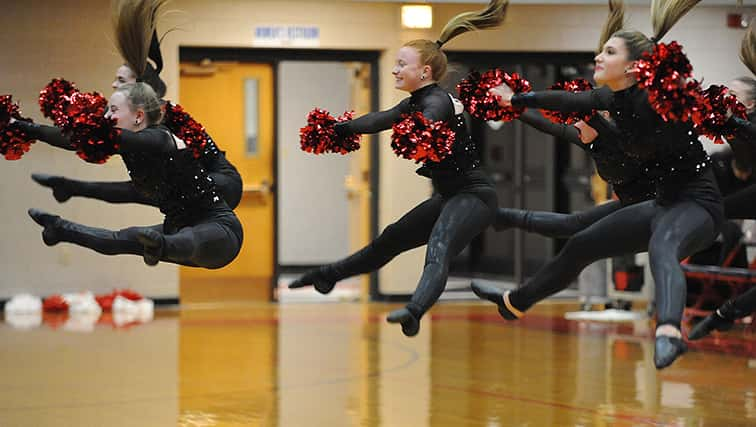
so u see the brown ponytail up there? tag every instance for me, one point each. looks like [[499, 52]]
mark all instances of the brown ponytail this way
[[490, 17], [615, 21], [134, 24], [666, 13]]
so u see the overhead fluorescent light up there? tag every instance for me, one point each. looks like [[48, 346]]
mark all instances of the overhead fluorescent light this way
[[417, 16]]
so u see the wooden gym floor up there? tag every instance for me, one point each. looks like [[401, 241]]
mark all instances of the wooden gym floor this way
[[340, 364]]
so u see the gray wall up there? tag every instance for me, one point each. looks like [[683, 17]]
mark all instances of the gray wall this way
[[312, 204]]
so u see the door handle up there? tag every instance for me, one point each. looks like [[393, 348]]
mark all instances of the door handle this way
[[262, 189], [354, 188]]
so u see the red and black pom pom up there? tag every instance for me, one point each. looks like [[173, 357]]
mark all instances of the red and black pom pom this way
[[94, 136], [13, 142], [577, 85], [55, 96], [319, 136], [664, 73], [473, 92], [417, 138], [185, 127], [718, 106]]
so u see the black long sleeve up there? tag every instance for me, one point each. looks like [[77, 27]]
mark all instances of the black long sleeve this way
[[597, 99], [435, 105], [150, 140], [374, 122], [538, 121], [48, 134]]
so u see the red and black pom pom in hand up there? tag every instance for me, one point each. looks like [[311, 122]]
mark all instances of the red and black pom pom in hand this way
[[417, 138], [13, 142], [57, 92], [718, 106], [185, 127], [473, 92], [664, 74], [319, 136], [94, 136], [577, 85]]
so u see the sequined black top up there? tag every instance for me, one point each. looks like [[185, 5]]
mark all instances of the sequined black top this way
[[670, 153], [623, 172], [169, 175], [435, 104]]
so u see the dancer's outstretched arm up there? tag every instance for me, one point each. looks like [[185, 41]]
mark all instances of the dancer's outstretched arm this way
[[50, 134]]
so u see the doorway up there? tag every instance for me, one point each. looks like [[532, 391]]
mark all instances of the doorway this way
[[299, 210]]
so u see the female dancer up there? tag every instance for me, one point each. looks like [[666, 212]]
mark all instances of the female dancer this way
[[464, 203], [199, 230], [597, 138], [138, 19], [687, 212]]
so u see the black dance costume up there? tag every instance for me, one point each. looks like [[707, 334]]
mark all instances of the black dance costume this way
[[199, 229], [464, 204], [623, 172], [226, 177], [684, 218]]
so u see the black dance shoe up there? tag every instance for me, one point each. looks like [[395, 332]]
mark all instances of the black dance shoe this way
[[667, 349], [712, 322], [61, 190], [318, 278], [496, 296], [51, 223], [410, 321]]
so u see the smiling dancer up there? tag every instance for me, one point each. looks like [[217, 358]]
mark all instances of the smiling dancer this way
[[464, 203]]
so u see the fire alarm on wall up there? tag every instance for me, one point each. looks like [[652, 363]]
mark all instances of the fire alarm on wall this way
[[737, 20]]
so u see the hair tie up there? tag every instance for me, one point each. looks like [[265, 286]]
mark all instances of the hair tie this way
[[439, 43]]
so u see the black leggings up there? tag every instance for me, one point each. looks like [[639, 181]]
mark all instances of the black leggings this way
[[551, 224], [668, 233], [446, 225], [229, 185], [212, 243]]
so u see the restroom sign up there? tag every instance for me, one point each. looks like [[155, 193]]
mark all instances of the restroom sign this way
[[286, 36]]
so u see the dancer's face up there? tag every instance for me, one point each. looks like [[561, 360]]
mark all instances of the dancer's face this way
[[120, 109], [409, 71], [123, 75], [613, 66], [741, 91]]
